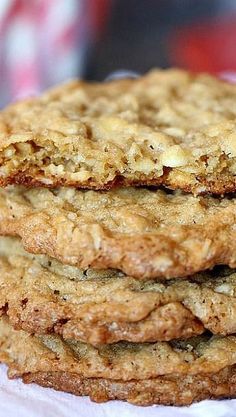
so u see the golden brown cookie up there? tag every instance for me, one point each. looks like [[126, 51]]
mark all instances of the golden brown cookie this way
[[145, 234], [40, 295], [176, 373], [169, 127], [175, 389]]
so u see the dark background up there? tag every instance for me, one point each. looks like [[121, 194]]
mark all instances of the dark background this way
[[141, 34]]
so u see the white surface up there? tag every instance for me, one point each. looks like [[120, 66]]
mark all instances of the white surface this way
[[20, 400]]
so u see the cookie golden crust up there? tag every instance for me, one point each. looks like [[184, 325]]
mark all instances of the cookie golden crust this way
[[146, 234], [171, 390], [175, 373], [42, 296], [169, 127]]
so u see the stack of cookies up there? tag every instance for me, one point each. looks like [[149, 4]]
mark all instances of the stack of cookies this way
[[118, 239]]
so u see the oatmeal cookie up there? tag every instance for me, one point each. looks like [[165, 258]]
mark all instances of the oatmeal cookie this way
[[169, 127], [42, 296], [146, 234], [175, 373]]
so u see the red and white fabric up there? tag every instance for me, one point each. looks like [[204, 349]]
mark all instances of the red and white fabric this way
[[44, 42]]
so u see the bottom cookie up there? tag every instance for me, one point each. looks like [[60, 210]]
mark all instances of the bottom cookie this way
[[167, 390], [174, 373]]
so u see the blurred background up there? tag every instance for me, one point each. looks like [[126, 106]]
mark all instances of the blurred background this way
[[44, 42]]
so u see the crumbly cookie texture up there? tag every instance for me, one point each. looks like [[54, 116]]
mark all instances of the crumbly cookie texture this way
[[146, 234], [169, 127], [168, 373], [41, 296]]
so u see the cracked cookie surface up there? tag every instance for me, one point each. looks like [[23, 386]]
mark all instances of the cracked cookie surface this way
[[146, 234], [176, 373], [169, 127], [40, 295]]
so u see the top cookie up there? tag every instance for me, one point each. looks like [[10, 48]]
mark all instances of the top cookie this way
[[169, 127]]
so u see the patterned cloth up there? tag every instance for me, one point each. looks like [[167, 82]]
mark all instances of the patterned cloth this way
[[44, 42]]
